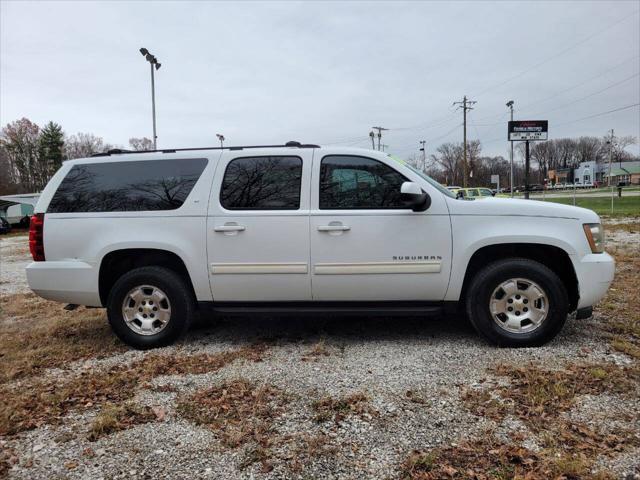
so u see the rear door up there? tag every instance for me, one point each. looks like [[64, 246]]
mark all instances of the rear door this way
[[365, 244], [258, 226]]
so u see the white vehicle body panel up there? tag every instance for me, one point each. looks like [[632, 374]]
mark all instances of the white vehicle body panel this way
[[308, 254], [385, 255], [269, 259]]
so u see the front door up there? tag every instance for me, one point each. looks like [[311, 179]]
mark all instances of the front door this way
[[258, 227], [365, 244]]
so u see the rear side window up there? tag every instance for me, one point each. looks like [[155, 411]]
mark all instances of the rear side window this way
[[127, 186], [262, 183], [353, 182]]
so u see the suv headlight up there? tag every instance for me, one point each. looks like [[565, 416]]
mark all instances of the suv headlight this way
[[595, 236]]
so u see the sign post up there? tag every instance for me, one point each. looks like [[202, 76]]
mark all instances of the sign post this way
[[496, 179], [527, 131]]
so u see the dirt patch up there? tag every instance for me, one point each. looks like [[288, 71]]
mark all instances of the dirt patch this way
[[540, 398], [239, 412], [535, 395], [37, 334], [28, 406], [14, 257]]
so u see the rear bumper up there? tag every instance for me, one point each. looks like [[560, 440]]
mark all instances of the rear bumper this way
[[595, 274], [65, 281]]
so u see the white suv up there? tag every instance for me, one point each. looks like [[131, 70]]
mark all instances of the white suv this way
[[154, 236]]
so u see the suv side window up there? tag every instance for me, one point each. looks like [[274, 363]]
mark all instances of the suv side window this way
[[354, 182], [127, 186], [262, 183]]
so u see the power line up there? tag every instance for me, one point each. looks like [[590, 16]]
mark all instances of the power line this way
[[579, 84], [571, 87], [590, 95], [562, 52], [599, 114]]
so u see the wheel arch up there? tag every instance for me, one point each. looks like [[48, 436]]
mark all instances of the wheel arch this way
[[117, 262], [553, 257]]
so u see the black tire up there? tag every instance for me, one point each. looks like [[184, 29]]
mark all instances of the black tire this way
[[489, 278], [178, 293]]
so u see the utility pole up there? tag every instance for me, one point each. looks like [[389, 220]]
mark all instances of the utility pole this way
[[610, 142], [510, 105], [384, 147], [373, 140], [464, 104], [423, 149], [526, 169], [380, 130]]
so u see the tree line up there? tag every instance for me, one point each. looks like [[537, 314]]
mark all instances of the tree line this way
[[446, 164], [30, 154]]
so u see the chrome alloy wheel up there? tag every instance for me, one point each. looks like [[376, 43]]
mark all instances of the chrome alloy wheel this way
[[146, 310], [519, 305]]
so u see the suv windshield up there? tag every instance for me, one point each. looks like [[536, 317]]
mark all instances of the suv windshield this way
[[440, 188]]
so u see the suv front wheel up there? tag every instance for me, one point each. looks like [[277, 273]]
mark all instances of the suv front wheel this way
[[517, 302], [150, 307]]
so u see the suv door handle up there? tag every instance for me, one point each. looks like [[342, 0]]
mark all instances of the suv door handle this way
[[333, 228], [229, 228]]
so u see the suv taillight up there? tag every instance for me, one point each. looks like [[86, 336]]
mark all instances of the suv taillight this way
[[36, 237]]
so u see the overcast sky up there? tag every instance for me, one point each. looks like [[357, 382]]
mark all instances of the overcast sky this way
[[323, 72]]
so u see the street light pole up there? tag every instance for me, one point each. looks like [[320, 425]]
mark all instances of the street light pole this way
[[154, 64], [510, 105], [221, 138], [423, 147], [153, 108]]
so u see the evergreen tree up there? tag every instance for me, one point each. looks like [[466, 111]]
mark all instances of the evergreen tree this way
[[50, 150]]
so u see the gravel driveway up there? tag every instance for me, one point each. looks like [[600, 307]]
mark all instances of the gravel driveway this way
[[413, 374]]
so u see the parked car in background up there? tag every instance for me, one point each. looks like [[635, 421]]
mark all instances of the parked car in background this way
[[479, 192], [155, 236], [5, 226]]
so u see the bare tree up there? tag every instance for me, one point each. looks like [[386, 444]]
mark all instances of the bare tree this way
[[140, 144], [20, 142], [448, 157], [83, 145]]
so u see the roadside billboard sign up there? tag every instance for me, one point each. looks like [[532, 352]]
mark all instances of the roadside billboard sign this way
[[528, 130]]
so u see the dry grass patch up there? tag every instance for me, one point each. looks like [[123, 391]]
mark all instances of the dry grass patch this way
[[631, 227], [539, 397], [29, 406], [336, 409], [239, 412], [318, 350], [114, 418], [621, 305], [243, 414], [37, 334], [489, 459]]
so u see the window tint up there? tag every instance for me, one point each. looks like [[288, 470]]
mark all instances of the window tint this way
[[352, 182], [127, 186], [262, 183]]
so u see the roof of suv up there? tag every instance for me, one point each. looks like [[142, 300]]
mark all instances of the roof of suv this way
[[119, 151]]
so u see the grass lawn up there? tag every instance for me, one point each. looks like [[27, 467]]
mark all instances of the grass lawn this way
[[622, 207]]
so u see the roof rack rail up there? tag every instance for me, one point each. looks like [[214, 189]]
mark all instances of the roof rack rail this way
[[119, 151]]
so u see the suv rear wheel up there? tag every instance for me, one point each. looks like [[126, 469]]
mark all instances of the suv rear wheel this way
[[150, 307], [517, 303]]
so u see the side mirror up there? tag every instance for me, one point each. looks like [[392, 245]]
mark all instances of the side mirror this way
[[414, 197], [459, 194]]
